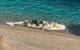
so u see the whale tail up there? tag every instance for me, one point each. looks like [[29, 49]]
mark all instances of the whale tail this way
[[10, 23]]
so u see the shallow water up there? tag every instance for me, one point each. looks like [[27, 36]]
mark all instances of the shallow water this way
[[61, 11]]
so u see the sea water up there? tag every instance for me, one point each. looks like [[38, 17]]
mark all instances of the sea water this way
[[61, 11]]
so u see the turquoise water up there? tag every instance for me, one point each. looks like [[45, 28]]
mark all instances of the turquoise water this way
[[61, 11]]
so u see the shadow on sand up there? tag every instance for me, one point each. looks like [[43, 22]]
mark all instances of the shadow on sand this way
[[74, 29]]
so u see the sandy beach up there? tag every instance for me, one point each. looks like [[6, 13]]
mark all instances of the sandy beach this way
[[23, 38]]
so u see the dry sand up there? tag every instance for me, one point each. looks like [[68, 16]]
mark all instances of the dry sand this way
[[21, 38]]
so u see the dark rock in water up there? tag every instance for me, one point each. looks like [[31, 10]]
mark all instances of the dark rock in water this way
[[74, 29]]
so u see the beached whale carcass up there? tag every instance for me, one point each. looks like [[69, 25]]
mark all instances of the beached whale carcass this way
[[46, 25], [54, 26], [39, 24], [15, 23]]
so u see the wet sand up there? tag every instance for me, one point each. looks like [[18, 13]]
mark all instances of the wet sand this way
[[23, 38]]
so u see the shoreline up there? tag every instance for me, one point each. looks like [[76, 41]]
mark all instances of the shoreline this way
[[24, 28]]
